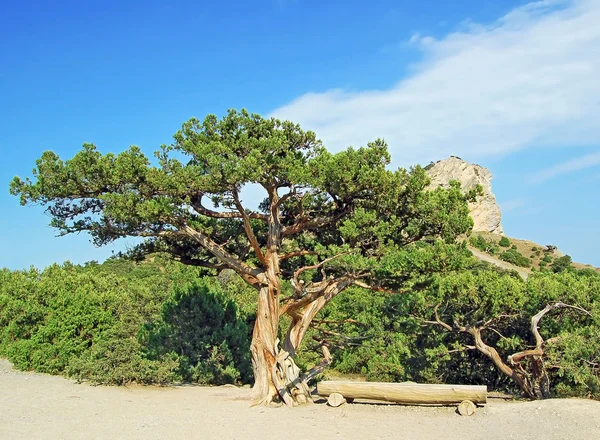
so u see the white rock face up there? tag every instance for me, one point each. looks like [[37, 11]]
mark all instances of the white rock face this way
[[485, 211]]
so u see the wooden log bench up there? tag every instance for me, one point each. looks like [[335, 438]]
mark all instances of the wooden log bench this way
[[406, 393]]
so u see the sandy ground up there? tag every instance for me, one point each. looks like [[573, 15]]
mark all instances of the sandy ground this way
[[36, 406]]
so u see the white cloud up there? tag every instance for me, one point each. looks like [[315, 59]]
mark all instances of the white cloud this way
[[529, 79], [576, 164]]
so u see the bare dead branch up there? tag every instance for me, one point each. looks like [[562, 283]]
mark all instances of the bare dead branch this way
[[459, 350], [319, 368], [539, 341], [315, 266]]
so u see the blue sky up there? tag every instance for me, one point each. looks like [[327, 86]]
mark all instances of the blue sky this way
[[511, 85]]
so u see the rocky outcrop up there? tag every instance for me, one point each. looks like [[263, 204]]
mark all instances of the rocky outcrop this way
[[485, 211]]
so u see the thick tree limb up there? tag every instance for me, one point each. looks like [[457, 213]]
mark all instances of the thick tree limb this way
[[490, 352], [248, 228], [227, 258], [302, 224]]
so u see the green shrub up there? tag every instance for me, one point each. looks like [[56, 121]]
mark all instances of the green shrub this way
[[504, 242], [483, 244], [514, 257], [561, 264], [478, 242], [204, 331], [118, 358]]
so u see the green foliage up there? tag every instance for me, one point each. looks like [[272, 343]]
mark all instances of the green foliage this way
[[561, 264], [116, 323], [92, 323], [387, 339], [118, 357], [386, 229], [504, 242], [483, 244], [204, 330], [515, 257]]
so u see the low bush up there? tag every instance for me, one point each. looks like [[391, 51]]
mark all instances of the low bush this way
[[504, 242], [484, 245], [515, 257]]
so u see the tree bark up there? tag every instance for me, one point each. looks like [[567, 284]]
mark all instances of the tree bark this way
[[276, 375], [263, 348]]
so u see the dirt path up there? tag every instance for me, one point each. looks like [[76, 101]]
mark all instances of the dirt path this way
[[35, 406], [497, 262]]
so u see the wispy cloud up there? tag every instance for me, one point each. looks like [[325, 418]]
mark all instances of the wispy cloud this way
[[576, 164], [512, 205], [530, 78]]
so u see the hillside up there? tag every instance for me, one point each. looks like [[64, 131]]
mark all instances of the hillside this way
[[524, 256]]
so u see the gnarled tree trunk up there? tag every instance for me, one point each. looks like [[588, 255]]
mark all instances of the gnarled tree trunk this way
[[264, 348], [276, 374]]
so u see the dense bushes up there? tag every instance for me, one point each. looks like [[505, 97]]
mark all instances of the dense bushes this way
[[118, 323], [397, 337], [203, 330], [161, 322], [561, 264]]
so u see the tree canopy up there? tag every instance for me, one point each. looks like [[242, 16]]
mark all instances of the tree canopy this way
[[328, 221]]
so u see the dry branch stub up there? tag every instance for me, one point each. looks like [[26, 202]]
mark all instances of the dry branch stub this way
[[418, 394]]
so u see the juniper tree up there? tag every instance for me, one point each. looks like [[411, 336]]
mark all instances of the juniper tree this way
[[327, 222]]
